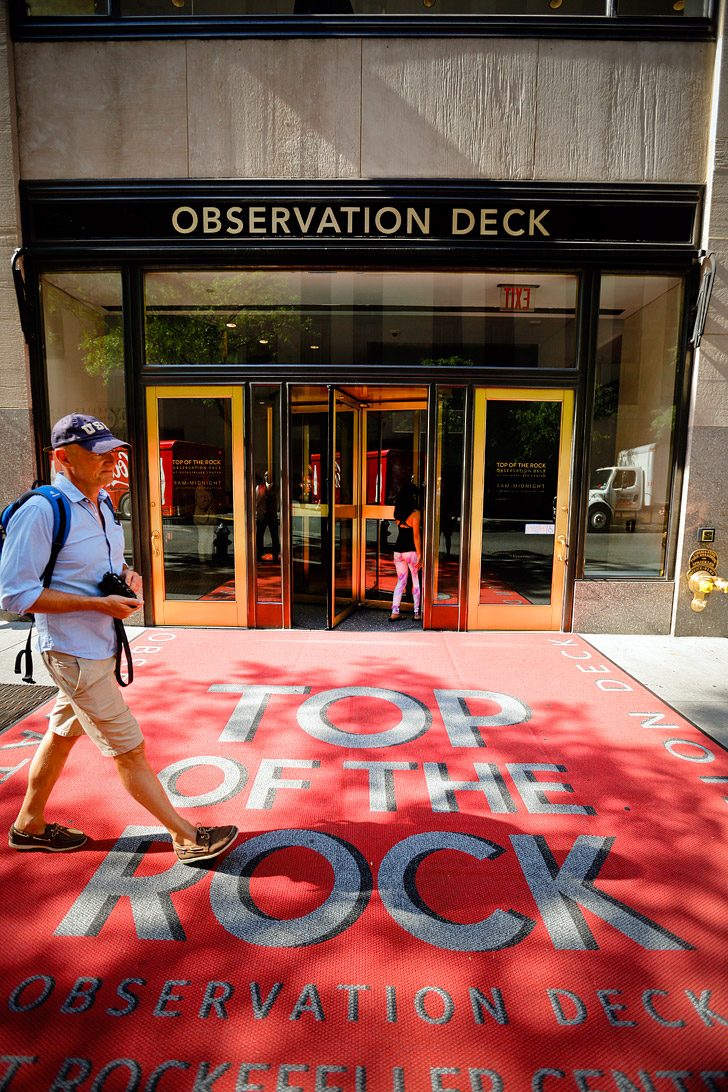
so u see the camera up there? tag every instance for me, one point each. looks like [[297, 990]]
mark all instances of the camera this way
[[113, 584]]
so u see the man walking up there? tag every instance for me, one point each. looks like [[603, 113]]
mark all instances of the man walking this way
[[77, 640]]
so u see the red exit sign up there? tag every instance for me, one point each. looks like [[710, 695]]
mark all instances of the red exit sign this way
[[517, 297]]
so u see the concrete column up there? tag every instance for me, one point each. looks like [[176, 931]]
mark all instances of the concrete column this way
[[706, 485], [16, 449]]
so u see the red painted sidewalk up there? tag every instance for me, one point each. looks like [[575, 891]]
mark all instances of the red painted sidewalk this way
[[467, 863]]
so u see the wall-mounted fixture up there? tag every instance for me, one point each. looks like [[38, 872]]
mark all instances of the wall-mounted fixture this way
[[702, 579], [707, 277]]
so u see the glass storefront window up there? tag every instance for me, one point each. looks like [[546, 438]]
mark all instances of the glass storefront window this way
[[632, 434], [83, 340], [66, 8], [212, 8], [396, 445], [259, 318], [689, 9], [203, 8]]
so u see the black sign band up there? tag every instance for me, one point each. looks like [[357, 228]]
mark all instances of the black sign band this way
[[281, 215]]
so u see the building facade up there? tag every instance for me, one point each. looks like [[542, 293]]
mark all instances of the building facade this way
[[303, 258]]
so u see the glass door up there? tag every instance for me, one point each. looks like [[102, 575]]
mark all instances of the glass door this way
[[518, 551], [394, 453], [309, 508], [344, 494], [348, 460], [266, 583], [196, 498], [446, 594]]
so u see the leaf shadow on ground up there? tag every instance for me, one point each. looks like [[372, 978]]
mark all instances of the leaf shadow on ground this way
[[664, 862]]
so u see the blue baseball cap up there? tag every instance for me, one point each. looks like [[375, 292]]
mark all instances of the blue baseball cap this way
[[86, 431]]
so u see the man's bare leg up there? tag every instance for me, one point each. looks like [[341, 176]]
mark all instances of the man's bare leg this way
[[141, 782], [45, 769]]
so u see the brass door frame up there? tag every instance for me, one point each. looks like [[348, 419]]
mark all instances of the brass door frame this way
[[527, 617], [351, 512], [186, 612], [304, 510], [261, 612], [434, 613], [381, 511], [358, 511]]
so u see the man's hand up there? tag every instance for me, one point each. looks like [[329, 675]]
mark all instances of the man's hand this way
[[118, 606], [134, 581]]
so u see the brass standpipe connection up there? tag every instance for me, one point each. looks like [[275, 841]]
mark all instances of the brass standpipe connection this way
[[701, 584], [702, 579]]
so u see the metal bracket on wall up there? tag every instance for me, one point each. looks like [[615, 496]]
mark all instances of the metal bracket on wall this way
[[707, 278], [24, 307]]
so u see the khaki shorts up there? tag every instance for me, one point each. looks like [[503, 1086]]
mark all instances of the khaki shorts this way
[[90, 701]]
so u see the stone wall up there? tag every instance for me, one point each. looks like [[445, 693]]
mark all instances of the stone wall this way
[[16, 448], [351, 108], [627, 606], [705, 496]]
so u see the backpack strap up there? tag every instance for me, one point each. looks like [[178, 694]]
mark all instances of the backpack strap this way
[[24, 659], [110, 505], [61, 526]]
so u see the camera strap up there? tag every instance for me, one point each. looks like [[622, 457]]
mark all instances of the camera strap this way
[[122, 643]]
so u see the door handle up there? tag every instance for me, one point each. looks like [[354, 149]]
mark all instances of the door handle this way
[[155, 543], [564, 552]]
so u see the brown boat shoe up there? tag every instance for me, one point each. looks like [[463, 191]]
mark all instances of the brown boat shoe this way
[[211, 841], [54, 839]]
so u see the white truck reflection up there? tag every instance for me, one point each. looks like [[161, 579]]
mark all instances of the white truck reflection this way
[[637, 484]]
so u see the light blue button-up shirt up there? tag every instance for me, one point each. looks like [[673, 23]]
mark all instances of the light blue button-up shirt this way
[[89, 551]]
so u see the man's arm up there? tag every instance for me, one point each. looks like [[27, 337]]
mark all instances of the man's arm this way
[[51, 601], [25, 556]]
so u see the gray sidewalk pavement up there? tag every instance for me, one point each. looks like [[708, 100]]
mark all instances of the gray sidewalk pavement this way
[[13, 636], [689, 673]]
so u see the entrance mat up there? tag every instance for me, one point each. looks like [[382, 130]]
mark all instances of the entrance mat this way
[[494, 590], [268, 589], [18, 699], [466, 862], [225, 594]]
